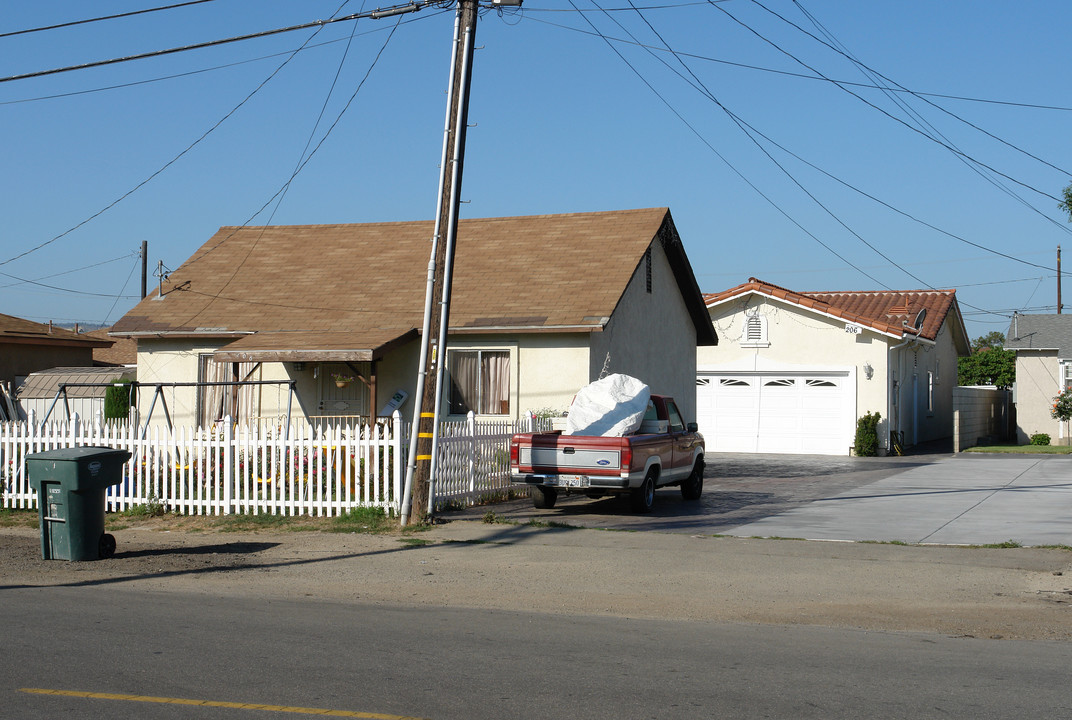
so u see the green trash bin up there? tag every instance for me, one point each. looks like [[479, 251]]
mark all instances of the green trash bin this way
[[70, 485]]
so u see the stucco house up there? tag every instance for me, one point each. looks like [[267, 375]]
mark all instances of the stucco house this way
[[794, 371], [541, 306], [1043, 345]]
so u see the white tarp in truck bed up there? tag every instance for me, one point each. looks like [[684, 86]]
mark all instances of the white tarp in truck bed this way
[[610, 407]]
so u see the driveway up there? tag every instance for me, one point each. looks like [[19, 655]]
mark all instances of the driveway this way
[[940, 498]]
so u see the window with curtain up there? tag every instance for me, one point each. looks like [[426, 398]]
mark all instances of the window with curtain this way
[[479, 382], [214, 402]]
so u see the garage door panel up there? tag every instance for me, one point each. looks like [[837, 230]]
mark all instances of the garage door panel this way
[[776, 413]]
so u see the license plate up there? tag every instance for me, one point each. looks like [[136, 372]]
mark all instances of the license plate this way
[[578, 481]]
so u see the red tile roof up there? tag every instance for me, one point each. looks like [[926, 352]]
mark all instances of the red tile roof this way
[[894, 312]]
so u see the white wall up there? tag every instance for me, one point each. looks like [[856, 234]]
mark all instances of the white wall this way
[[651, 336], [1037, 383]]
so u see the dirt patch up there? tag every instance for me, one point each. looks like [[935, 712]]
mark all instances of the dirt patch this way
[[1011, 593]]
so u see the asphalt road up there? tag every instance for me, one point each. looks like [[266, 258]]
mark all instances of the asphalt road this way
[[139, 652], [966, 499]]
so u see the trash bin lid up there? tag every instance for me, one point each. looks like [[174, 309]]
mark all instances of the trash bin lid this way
[[77, 468]]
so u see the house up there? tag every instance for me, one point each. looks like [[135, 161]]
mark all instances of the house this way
[[27, 346], [325, 319], [123, 351], [1043, 345], [794, 371]]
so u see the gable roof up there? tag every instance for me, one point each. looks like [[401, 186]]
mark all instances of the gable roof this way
[[124, 351], [27, 332], [356, 290], [1040, 332], [46, 383], [890, 312]]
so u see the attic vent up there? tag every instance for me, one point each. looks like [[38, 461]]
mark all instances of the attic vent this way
[[754, 332]]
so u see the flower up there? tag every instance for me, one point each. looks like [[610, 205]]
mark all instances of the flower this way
[[339, 377], [1062, 406]]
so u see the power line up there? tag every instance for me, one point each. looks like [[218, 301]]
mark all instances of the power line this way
[[788, 73], [378, 13], [99, 19]]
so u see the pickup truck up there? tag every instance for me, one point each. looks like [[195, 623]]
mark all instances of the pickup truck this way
[[664, 451]]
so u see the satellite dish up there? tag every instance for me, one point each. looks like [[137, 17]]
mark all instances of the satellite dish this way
[[919, 319]]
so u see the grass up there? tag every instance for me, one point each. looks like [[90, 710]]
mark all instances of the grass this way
[[18, 518], [1012, 449]]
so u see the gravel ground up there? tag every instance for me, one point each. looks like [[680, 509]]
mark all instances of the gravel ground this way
[[978, 592]]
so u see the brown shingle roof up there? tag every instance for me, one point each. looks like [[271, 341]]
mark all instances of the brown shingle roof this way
[[367, 281], [889, 311], [124, 351], [17, 330]]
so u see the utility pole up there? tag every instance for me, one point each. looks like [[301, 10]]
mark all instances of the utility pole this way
[[144, 268], [1059, 306], [415, 501]]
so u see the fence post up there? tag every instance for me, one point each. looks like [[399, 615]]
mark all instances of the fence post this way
[[228, 465], [397, 445], [470, 424], [74, 427]]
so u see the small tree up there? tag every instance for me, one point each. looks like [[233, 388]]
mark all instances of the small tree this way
[[117, 401], [867, 435]]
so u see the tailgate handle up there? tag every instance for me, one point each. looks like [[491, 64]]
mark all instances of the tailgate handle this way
[[568, 451]]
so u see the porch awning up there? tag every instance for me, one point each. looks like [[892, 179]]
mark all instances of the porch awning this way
[[350, 346]]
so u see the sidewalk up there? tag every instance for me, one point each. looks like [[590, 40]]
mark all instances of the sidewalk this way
[[960, 500]]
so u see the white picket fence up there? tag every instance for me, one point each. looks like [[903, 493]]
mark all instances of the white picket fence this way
[[264, 468]]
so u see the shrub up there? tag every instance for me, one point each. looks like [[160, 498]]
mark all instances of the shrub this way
[[867, 435], [117, 401], [1040, 439]]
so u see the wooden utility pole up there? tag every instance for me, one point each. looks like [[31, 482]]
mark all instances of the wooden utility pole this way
[[437, 301], [144, 268], [1059, 306]]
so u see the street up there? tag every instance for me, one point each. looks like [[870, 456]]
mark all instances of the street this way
[[439, 663]]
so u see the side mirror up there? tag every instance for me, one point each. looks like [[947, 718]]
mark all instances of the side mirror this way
[[692, 427]]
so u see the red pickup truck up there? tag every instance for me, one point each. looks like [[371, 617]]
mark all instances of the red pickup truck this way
[[665, 451]]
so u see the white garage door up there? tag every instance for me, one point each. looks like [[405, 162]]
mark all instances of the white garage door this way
[[776, 412]]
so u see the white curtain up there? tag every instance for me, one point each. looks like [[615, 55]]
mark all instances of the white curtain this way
[[240, 402]]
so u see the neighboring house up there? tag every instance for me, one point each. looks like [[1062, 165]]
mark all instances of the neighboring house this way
[[26, 347], [1043, 345], [540, 307], [40, 394], [794, 371], [124, 351]]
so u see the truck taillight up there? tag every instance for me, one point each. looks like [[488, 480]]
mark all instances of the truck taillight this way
[[627, 458], [514, 453]]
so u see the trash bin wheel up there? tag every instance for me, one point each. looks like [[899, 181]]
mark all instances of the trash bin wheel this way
[[106, 547]]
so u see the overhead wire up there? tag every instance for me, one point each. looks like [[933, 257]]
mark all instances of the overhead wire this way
[[116, 16], [840, 48], [215, 43], [720, 156], [902, 122], [290, 56]]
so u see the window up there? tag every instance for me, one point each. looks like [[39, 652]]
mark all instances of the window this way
[[672, 414], [820, 383], [780, 382], [732, 382], [479, 382], [214, 402]]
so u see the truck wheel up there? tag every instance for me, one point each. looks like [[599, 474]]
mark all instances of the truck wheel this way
[[692, 486], [544, 498], [643, 497]]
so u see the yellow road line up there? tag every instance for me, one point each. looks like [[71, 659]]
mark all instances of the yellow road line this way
[[217, 703]]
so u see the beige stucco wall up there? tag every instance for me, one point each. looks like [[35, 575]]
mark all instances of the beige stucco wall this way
[[1037, 383], [651, 336]]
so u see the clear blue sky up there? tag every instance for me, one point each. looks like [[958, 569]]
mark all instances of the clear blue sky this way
[[562, 123]]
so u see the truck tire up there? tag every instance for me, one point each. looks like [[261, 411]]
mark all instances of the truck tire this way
[[544, 498], [642, 498], [692, 486]]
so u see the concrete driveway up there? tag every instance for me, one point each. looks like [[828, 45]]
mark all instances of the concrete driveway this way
[[941, 498]]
